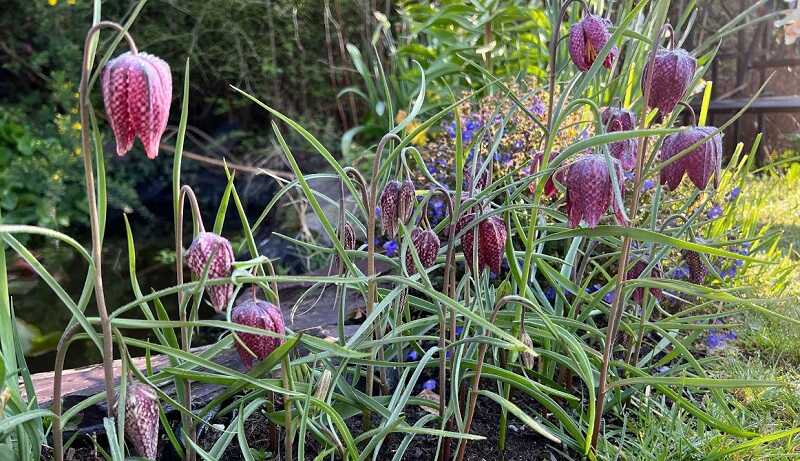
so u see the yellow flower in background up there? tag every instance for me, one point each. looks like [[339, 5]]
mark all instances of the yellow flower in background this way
[[72, 2], [76, 126], [421, 138], [52, 2]]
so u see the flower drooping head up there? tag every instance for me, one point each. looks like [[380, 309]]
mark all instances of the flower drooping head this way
[[426, 242], [137, 93], [208, 245], [257, 313], [697, 270], [536, 164], [390, 208], [141, 419], [635, 272], [491, 241], [590, 190], [699, 164], [586, 38], [673, 70], [617, 119]]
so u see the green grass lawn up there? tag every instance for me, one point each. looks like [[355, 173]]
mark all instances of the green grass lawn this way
[[766, 349]]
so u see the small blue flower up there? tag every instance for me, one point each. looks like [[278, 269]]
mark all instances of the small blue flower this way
[[391, 247], [628, 176], [459, 330], [431, 169], [734, 193], [609, 297], [714, 341], [648, 184], [429, 385], [681, 272], [663, 369], [730, 336], [412, 356], [738, 263], [378, 212], [448, 354], [715, 212], [550, 293], [537, 107]]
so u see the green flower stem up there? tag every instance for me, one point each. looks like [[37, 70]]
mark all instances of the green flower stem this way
[[97, 238], [617, 307], [61, 353]]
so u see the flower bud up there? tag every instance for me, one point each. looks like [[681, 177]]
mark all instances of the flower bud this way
[[390, 208], [590, 190], [257, 313], [699, 164], [427, 245], [208, 245], [673, 70], [697, 270], [141, 419], [491, 241], [407, 198], [137, 93], [616, 119], [586, 38]]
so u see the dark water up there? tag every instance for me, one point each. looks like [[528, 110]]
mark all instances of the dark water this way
[[43, 316]]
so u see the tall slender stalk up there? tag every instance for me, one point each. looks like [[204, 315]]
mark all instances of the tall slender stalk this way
[[97, 250], [61, 353], [617, 307], [372, 284]]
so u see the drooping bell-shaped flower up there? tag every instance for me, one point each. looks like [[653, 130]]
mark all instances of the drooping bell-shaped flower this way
[[210, 246], [137, 93], [141, 419], [479, 183], [257, 313], [390, 208], [426, 242], [635, 272], [407, 198], [590, 191], [618, 119], [536, 164], [697, 270], [491, 241], [586, 38], [349, 237], [699, 164], [673, 70]]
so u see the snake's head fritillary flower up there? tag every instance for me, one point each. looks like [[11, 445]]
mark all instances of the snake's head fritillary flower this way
[[210, 246], [141, 419], [491, 241], [636, 272], [390, 208], [697, 270], [257, 313], [137, 93], [406, 200], [536, 164], [586, 38], [426, 242], [617, 119], [699, 164], [673, 70], [590, 191], [480, 183]]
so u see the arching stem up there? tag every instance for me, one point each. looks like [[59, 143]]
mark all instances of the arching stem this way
[[61, 353], [94, 221]]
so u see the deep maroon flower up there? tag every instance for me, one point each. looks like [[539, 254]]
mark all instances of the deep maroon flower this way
[[481, 182], [617, 119], [427, 245], [673, 70], [257, 313], [141, 419], [406, 200], [349, 237], [204, 246], [635, 272], [697, 270], [137, 93], [536, 164], [699, 164], [491, 241], [590, 190], [390, 208], [586, 38]]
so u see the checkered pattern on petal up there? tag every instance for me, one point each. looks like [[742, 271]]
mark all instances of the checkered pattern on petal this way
[[427, 245], [586, 38], [589, 189], [673, 70], [257, 313], [491, 243], [636, 272], [141, 419], [390, 208], [697, 270], [203, 247]]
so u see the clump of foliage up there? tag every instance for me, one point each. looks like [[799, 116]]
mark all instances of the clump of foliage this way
[[550, 296]]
